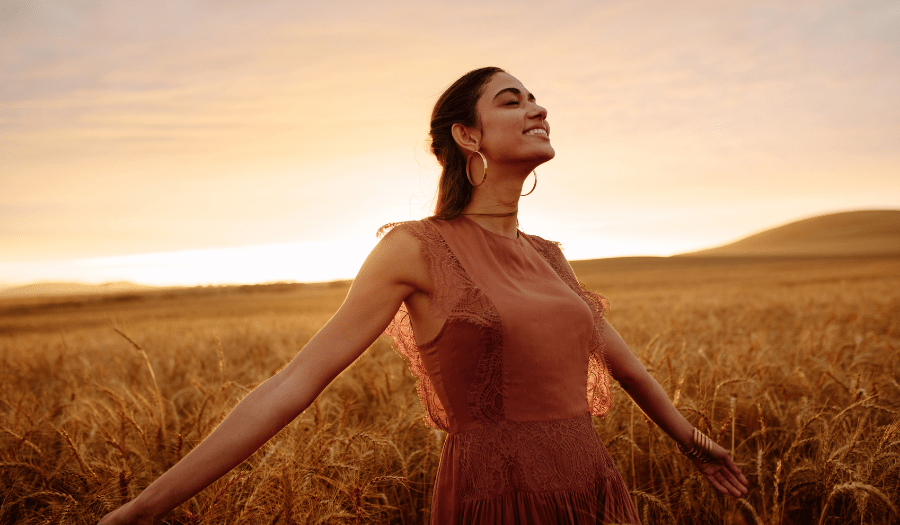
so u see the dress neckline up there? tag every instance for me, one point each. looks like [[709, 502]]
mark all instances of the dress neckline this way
[[517, 238]]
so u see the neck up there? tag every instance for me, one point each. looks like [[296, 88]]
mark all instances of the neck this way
[[495, 204]]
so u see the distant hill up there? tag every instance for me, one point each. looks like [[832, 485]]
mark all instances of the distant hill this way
[[852, 233], [48, 289]]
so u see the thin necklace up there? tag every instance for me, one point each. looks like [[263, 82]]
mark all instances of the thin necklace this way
[[509, 214]]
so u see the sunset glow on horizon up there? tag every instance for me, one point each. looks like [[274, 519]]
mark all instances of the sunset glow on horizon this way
[[180, 143]]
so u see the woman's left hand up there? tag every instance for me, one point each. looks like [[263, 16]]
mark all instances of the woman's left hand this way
[[721, 471]]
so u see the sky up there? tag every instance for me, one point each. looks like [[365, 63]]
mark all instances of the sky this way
[[209, 142]]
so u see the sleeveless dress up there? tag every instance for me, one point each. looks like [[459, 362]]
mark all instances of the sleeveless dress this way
[[514, 375]]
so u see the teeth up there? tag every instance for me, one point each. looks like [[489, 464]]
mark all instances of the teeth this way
[[536, 131]]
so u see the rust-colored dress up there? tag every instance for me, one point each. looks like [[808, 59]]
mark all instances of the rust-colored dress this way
[[513, 376]]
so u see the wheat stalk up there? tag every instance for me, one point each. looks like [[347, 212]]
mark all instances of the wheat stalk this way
[[854, 487]]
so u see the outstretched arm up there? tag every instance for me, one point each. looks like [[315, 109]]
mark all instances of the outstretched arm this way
[[725, 476], [389, 274]]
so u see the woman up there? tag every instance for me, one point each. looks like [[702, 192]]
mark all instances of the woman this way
[[513, 355]]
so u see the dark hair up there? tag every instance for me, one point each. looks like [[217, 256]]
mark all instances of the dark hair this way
[[455, 106]]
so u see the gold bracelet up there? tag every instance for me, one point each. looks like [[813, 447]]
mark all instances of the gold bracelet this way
[[702, 448]]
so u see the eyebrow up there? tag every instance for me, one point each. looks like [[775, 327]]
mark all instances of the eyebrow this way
[[514, 91]]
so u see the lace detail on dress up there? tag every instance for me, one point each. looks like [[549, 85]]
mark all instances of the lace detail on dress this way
[[599, 397], [405, 344], [456, 298], [530, 456], [485, 395]]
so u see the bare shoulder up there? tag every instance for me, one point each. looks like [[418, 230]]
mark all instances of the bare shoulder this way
[[398, 258], [400, 240]]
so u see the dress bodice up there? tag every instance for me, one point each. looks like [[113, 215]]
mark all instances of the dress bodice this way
[[520, 337]]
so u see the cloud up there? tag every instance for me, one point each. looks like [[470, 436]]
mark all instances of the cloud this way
[[172, 125]]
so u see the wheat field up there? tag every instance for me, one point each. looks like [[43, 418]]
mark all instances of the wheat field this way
[[791, 363]]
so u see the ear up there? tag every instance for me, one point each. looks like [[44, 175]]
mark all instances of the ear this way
[[468, 139]]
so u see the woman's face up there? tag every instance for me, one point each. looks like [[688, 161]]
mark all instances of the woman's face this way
[[514, 129]]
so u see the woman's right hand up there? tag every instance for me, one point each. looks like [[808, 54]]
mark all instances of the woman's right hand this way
[[386, 278], [129, 514]]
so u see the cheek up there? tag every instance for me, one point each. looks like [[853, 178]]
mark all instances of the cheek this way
[[503, 129]]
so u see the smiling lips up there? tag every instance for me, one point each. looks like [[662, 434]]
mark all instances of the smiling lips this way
[[537, 131]]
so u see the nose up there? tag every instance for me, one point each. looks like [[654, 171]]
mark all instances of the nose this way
[[537, 111]]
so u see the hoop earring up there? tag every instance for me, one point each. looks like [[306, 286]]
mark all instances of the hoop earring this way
[[533, 187], [468, 176]]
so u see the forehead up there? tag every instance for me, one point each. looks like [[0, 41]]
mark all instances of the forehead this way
[[498, 83]]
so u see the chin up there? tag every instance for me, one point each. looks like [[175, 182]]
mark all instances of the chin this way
[[548, 155]]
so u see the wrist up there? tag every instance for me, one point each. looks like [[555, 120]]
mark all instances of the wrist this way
[[701, 447], [685, 436], [148, 507]]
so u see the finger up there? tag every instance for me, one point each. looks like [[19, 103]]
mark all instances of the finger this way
[[727, 484], [715, 483], [715, 474], [734, 481], [734, 490], [719, 475], [736, 471]]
